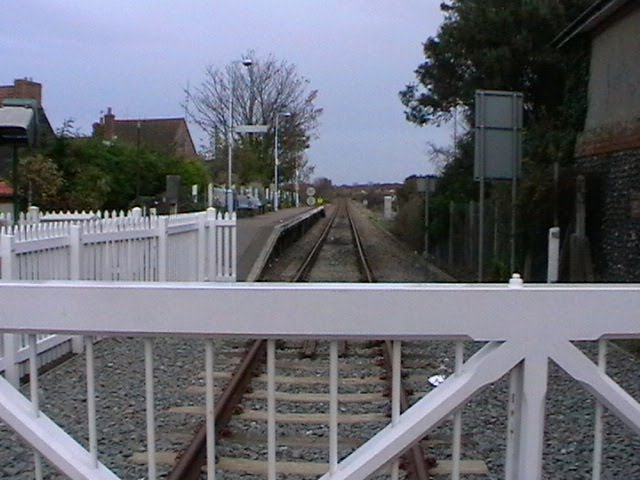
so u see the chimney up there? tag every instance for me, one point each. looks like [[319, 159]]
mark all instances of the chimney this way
[[27, 88], [109, 125]]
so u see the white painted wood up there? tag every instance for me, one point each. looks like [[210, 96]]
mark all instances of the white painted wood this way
[[482, 312], [150, 410], [91, 401], [531, 438], [606, 391], [162, 249], [485, 367], [49, 439], [396, 377], [599, 410], [210, 416], [271, 409], [333, 406], [457, 418], [514, 420], [523, 341], [35, 397], [201, 244]]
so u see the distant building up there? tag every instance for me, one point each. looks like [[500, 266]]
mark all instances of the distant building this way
[[163, 135], [608, 150], [24, 92], [6, 199]]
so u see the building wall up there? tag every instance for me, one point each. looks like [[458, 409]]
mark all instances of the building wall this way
[[183, 143], [22, 88], [614, 82], [613, 189], [608, 150]]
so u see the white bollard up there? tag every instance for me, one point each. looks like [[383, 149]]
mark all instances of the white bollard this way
[[553, 259]]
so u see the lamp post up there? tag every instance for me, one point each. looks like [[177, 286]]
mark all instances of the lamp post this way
[[297, 184], [275, 148], [247, 62]]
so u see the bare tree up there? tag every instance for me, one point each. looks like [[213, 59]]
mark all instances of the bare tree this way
[[257, 94]]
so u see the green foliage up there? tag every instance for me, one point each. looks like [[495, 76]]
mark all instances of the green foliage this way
[[409, 221], [40, 180], [102, 176], [505, 45]]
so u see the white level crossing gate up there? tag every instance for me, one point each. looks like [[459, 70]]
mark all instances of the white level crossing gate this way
[[524, 328]]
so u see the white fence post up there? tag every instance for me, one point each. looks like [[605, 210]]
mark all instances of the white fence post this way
[[201, 248], [212, 271], [162, 249], [75, 245], [33, 215], [233, 245], [10, 340]]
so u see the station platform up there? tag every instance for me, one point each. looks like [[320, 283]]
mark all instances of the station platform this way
[[253, 235]]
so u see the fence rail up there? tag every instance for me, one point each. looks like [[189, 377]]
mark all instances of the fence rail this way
[[525, 328], [111, 247]]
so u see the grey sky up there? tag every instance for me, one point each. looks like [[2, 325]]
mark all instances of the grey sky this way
[[138, 56]]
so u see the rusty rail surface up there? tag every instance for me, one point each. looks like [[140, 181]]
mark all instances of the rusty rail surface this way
[[193, 458]]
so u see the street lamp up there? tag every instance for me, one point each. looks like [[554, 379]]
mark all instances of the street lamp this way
[[275, 149], [247, 62]]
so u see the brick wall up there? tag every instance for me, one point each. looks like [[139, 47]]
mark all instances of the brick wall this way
[[22, 88]]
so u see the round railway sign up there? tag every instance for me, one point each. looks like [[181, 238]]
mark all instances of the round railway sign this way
[[311, 191], [311, 201]]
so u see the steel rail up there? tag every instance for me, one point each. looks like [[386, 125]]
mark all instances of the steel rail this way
[[309, 346], [308, 262], [191, 461], [365, 267], [416, 458]]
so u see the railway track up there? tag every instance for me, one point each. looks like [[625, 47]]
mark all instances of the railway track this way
[[302, 387]]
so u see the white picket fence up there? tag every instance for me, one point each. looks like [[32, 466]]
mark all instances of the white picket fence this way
[[192, 247]]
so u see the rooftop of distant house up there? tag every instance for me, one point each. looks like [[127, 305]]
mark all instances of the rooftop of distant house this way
[[165, 135], [6, 190], [595, 16]]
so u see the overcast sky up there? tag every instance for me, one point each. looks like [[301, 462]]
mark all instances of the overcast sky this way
[[138, 57]]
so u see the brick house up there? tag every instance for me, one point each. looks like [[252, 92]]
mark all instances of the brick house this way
[[164, 135], [11, 95], [608, 150]]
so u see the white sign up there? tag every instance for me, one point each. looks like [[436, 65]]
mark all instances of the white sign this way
[[251, 129], [311, 201], [311, 191]]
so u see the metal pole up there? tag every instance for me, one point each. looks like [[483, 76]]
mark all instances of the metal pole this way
[[16, 209], [230, 143], [426, 221], [514, 185], [275, 174], [451, 220], [297, 187], [481, 230]]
